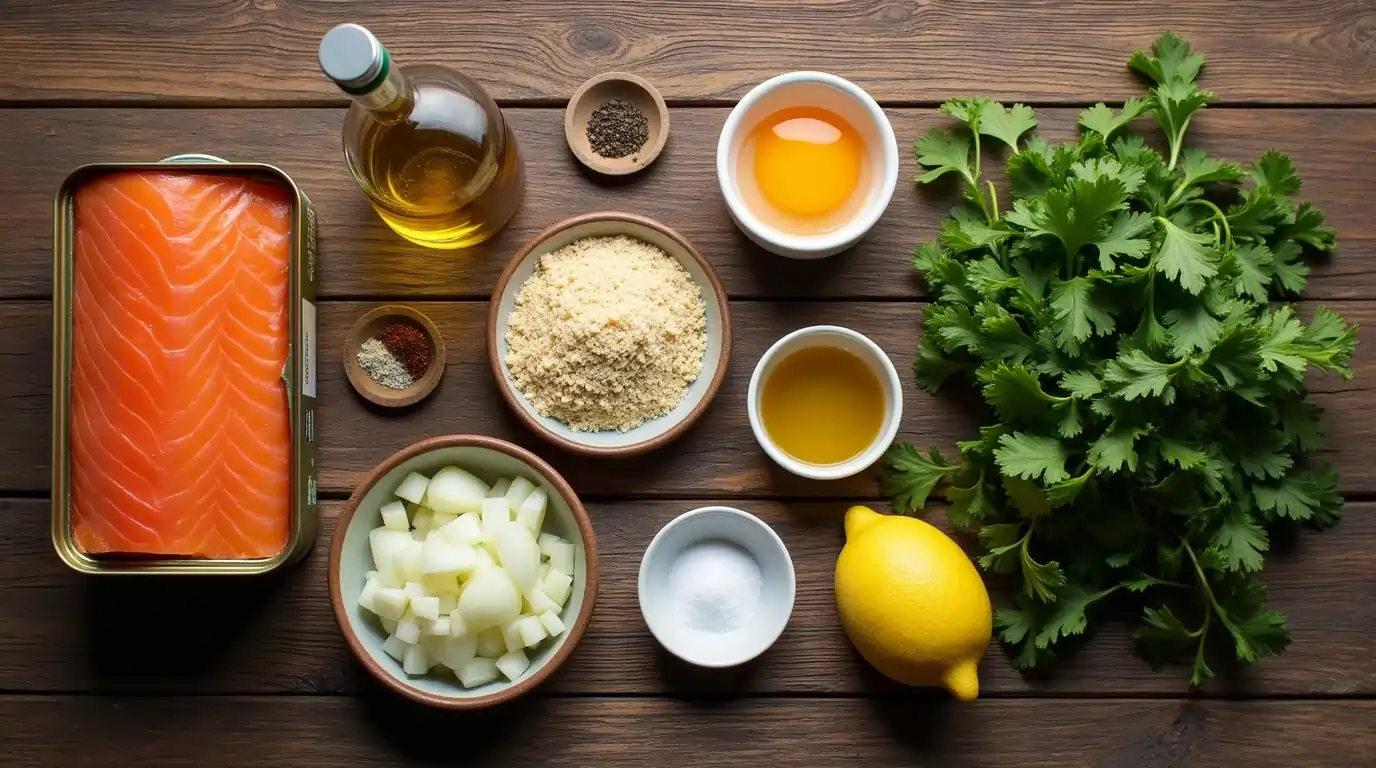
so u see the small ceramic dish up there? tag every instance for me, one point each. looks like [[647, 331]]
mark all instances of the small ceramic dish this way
[[351, 558], [598, 91], [656, 432], [759, 630], [860, 346], [844, 98], [371, 324]]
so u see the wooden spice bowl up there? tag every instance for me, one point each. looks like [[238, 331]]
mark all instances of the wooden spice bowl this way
[[598, 91], [371, 324]]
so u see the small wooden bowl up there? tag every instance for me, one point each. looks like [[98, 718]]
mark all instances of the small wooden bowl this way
[[598, 91], [369, 326], [654, 433]]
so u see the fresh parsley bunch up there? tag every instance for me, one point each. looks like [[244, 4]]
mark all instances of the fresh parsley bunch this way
[[1152, 423]]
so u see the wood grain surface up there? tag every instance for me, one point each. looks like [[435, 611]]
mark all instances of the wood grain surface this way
[[1334, 151], [320, 731], [253, 672], [717, 456], [231, 51], [277, 635]]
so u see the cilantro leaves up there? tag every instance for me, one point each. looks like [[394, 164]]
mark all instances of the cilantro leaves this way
[[1151, 425]]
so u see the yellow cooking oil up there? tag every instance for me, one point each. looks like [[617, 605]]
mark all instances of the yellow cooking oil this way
[[427, 145], [822, 405]]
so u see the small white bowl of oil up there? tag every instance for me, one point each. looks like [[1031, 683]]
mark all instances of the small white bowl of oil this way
[[825, 402], [807, 162], [716, 586]]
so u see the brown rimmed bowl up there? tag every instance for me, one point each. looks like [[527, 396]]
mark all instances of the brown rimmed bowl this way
[[351, 558], [717, 358], [371, 324], [598, 91]]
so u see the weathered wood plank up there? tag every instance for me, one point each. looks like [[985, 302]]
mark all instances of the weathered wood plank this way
[[212, 51], [717, 456], [66, 633], [300, 731], [360, 257]]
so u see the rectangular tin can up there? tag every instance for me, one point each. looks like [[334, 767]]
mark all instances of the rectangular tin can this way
[[298, 377]]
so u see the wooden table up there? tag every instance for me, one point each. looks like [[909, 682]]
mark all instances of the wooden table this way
[[253, 672]]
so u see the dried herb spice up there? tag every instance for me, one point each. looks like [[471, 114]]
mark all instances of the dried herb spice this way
[[397, 356], [617, 128]]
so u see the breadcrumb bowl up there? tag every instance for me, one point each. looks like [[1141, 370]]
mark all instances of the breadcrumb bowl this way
[[651, 434], [351, 559]]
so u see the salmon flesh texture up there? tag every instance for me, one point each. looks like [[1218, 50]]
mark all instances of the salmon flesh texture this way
[[180, 435]]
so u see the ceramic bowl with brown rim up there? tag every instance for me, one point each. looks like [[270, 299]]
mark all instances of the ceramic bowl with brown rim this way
[[351, 558], [655, 432]]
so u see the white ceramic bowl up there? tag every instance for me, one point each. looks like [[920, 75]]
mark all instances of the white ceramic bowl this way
[[857, 344], [830, 92], [715, 361], [777, 587]]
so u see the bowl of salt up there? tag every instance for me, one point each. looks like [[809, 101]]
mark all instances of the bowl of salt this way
[[716, 587]]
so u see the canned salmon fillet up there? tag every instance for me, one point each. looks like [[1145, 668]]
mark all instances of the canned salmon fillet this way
[[180, 429]]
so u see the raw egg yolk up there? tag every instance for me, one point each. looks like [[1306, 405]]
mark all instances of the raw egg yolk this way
[[807, 160]]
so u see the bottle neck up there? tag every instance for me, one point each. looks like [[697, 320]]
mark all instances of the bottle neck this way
[[388, 98]]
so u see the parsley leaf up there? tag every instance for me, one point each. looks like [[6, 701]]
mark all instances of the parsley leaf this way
[[945, 152], [1186, 257], [1032, 456], [1106, 122], [1078, 315], [1006, 125], [912, 476]]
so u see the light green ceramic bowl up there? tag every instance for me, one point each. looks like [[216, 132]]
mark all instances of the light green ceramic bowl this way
[[351, 558]]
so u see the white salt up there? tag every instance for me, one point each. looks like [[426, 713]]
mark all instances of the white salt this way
[[715, 586]]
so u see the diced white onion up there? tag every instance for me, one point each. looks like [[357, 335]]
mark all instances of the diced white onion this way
[[531, 630], [532, 511], [490, 643], [554, 626], [395, 647], [454, 491], [558, 585], [519, 556], [489, 598], [517, 493], [499, 488], [412, 487], [513, 664], [394, 517], [416, 661], [496, 515], [561, 557], [478, 671], [408, 629], [426, 607]]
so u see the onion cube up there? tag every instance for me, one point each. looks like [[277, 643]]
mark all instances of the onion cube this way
[[437, 627], [442, 585], [485, 558], [414, 589], [457, 626], [395, 647], [479, 671], [394, 517], [421, 520], [386, 545], [530, 630], [490, 643], [448, 603], [489, 598], [439, 556], [532, 511], [519, 555], [365, 597], [554, 626], [425, 607], [499, 489], [408, 629], [388, 625], [495, 514], [416, 661], [558, 585], [408, 561], [539, 602], [369, 575], [412, 487], [390, 603], [439, 520], [511, 634], [455, 652], [455, 491], [466, 530], [517, 493], [513, 664], [561, 557]]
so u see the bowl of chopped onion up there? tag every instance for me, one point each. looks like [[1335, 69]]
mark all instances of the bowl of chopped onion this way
[[463, 571]]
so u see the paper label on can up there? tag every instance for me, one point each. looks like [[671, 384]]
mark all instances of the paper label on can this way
[[307, 348]]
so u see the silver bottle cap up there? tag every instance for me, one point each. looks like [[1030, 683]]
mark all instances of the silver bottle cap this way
[[351, 56]]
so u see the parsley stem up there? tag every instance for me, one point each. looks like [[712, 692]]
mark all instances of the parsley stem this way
[[1209, 593], [1220, 217], [993, 201]]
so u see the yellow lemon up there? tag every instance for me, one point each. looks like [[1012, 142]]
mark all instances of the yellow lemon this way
[[912, 602]]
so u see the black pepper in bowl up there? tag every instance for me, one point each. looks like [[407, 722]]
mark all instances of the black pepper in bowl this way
[[617, 128]]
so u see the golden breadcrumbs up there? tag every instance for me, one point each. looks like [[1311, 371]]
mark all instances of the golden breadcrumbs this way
[[606, 334]]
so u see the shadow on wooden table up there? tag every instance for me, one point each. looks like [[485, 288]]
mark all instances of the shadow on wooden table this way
[[155, 632]]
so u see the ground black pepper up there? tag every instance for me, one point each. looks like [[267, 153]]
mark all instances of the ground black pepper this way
[[617, 128]]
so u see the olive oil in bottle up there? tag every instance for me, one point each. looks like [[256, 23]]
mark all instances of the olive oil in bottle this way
[[427, 145]]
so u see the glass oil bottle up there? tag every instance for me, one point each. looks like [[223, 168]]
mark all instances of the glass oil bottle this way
[[427, 145]]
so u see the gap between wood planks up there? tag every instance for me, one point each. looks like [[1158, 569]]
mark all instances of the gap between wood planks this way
[[915, 694]]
